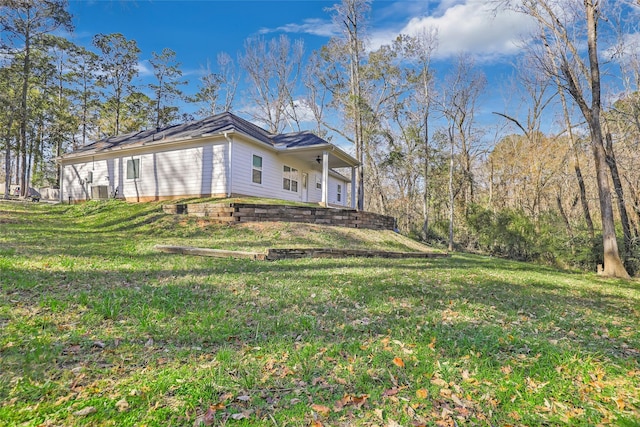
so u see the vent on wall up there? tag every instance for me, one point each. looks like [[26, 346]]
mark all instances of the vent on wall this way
[[99, 192]]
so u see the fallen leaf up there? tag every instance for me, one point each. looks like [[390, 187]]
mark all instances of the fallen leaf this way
[[359, 401], [439, 382], [390, 392], [85, 411], [321, 409], [422, 393], [238, 416], [432, 344], [457, 400], [244, 398], [209, 417], [378, 413], [398, 362], [122, 405]]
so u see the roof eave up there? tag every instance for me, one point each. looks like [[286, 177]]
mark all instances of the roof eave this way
[[338, 152]]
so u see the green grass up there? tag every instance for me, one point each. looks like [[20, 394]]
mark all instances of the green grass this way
[[99, 329]]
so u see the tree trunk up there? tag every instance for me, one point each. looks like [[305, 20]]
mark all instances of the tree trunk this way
[[583, 199], [451, 195], [425, 197], [617, 186], [612, 263], [7, 160], [576, 164], [24, 118], [613, 266]]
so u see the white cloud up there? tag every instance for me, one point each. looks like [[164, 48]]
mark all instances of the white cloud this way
[[144, 69], [316, 27], [471, 26]]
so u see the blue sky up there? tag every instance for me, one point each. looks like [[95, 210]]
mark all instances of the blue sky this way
[[198, 30]]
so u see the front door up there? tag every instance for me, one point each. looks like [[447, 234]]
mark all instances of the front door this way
[[305, 185]]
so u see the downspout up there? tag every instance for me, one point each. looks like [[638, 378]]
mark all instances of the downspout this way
[[61, 186], [230, 164]]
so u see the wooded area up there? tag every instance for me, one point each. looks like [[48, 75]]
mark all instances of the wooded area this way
[[514, 188]]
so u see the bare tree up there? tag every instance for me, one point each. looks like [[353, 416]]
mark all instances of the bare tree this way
[[420, 50], [350, 16], [558, 24], [273, 69], [460, 95]]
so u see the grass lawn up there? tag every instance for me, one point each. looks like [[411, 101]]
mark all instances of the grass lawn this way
[[99, 329]]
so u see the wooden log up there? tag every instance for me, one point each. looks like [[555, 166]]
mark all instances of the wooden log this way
[[217, 253]]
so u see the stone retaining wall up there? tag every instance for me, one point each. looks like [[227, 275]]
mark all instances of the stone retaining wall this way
[[244, 212]]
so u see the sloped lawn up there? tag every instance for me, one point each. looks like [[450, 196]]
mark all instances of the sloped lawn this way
[[97, 328]]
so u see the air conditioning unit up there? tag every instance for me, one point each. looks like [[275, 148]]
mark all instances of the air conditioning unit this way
[[100, 192]]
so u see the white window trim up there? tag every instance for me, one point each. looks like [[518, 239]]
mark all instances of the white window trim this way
[[292, 172], [339, 193], [126, 171], [252, 168]]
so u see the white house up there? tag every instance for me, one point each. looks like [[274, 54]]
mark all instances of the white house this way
[[219, 156]]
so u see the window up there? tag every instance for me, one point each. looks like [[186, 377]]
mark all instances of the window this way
[[290, 179], [339, 198], [318, 182], [256, 171], [133, 168]]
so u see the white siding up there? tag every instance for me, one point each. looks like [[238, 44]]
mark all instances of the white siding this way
[[272, 175], [199, 170], [315, 194], [193, 171]]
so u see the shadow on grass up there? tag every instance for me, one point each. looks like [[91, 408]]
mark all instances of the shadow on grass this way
[[364, 288]]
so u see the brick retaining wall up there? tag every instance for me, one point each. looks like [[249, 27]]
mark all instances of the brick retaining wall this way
[[244, 212]]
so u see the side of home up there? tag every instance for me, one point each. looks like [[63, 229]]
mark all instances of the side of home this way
[[232, 161]]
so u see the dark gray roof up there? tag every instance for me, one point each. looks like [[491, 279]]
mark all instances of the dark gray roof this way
[[298, 139], [211, 125]]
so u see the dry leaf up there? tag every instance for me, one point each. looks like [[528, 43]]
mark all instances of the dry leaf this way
[[457, 400], [359, 401], [321, 409], [432, 344], [398, 362], [85, 411], [209, 417], [238, 416], [390, 392], [122, 405], [439, 382], [422, 393]]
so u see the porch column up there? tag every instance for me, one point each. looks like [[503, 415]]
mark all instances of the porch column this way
[[353, 187], [325, 178]]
